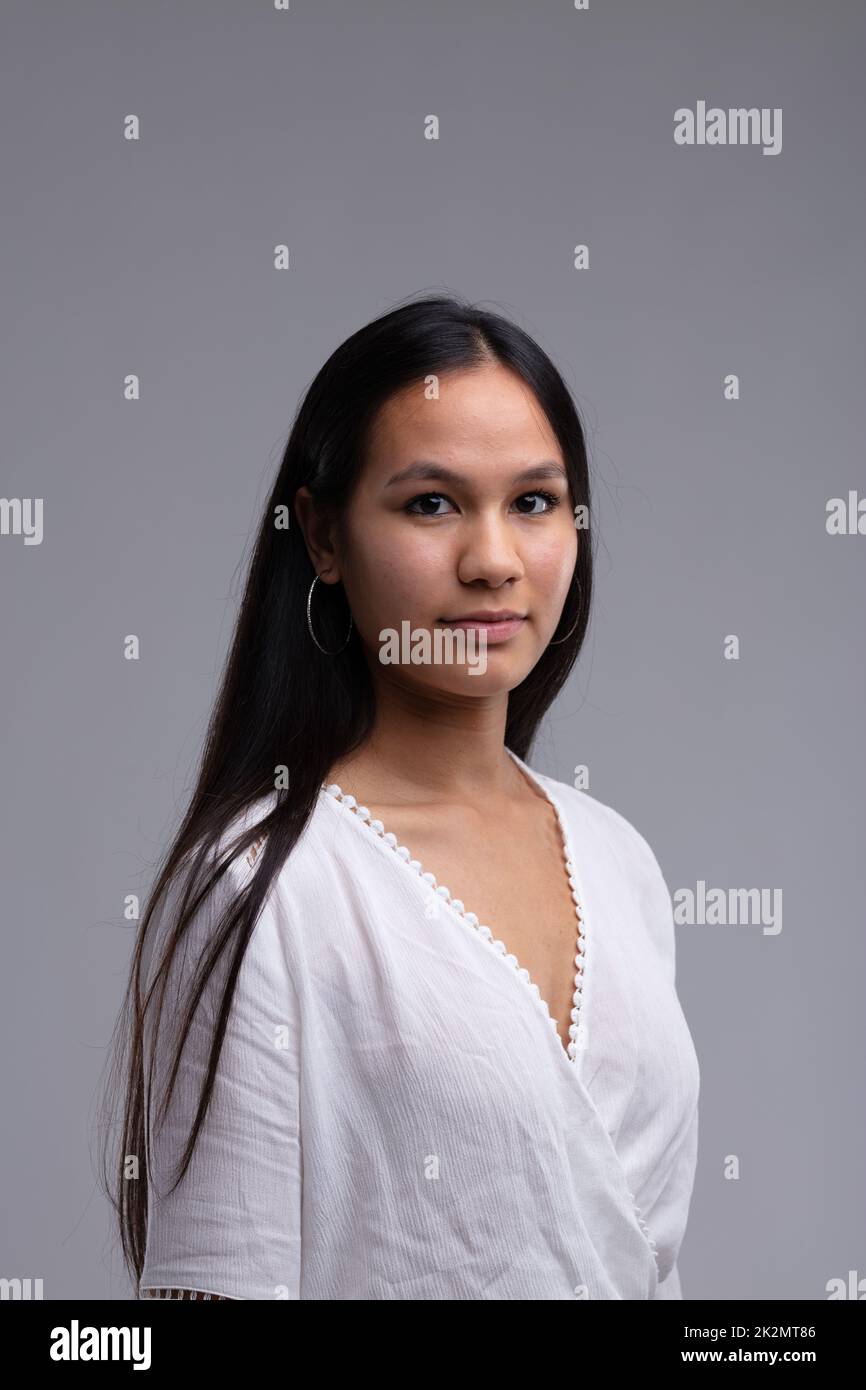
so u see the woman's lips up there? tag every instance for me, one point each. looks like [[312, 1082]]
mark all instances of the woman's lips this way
[[496, 632]]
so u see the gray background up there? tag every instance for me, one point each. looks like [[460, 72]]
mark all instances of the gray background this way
[[156, 258]]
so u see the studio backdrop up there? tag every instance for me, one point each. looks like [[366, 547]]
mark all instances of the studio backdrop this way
[[201, 200]]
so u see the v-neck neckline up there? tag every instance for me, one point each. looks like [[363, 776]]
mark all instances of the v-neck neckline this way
[[578, 1033]]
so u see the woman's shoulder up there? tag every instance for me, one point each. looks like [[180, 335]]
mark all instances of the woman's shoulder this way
[[320, 859], [595, 817], [616, 853]]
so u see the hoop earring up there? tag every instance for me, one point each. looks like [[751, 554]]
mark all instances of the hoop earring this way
[[310, 623], [576, 621]]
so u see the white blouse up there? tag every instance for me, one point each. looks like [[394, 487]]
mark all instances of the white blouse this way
[[394, 1114]]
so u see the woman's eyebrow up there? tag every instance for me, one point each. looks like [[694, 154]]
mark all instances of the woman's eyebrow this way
[[437, 472]]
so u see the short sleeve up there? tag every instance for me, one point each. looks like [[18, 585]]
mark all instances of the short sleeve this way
[[232, 1225], [641, 870]]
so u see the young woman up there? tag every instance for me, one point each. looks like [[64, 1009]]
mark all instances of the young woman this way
[[403, 1015]]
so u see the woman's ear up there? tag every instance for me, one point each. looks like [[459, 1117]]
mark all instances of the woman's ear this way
[[319, 531]]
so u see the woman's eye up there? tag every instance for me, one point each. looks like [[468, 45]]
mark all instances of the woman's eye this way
[[425, 497], [548, 498]]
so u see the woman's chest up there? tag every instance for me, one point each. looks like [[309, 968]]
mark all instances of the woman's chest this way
[[516, 880], [440, 947]]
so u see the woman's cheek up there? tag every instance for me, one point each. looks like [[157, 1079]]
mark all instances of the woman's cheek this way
[[551, 567], [387, 592], [407, 578]]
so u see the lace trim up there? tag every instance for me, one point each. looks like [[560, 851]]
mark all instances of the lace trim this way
[[576, 1031], [646, 1230]]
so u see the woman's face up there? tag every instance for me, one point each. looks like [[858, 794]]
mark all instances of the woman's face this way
[[463, 508]]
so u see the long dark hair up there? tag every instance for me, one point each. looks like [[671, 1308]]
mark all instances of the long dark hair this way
[[284, 703]]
